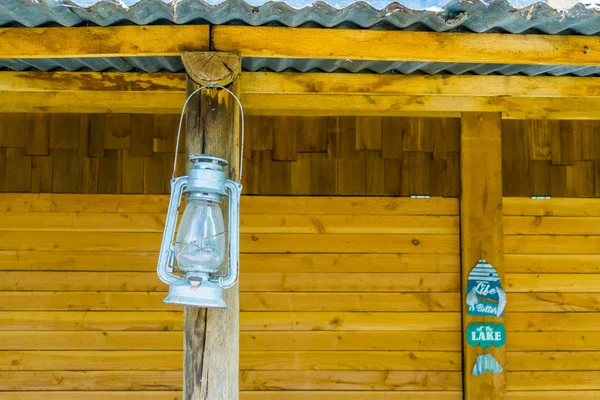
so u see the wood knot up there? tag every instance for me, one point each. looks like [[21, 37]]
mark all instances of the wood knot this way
[[391, 206], [254, 238], [416, 242]]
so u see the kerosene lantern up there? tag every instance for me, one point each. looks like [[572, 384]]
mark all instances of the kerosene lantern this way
[[193, 251], [199, 248]]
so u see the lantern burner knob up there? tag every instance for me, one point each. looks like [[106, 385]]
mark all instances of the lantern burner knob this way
[[195, 280]]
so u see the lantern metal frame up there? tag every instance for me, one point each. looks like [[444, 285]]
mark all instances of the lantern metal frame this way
[[207, 181]]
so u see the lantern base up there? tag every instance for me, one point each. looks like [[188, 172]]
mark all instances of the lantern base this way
[[205, 295]]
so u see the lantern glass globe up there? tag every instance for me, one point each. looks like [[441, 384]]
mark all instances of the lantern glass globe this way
[[200, 243]]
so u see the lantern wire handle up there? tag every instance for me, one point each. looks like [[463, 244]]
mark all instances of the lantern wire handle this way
[[210, 85]]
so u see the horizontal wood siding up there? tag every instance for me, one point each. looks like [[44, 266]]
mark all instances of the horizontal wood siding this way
[[552, 266], [339, 297]]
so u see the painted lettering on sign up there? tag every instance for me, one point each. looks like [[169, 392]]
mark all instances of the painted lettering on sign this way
[[486, 335], [485, 296]]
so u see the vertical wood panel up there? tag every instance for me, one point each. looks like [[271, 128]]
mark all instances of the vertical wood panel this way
[[88, 177], [84, 136], [300, 175], [346, 139], [368, 133], [110, 172], [251, 176], [312, 136], [515, 140], [37, 135], [64, 131], [65, 171], [539, 157], [141, 139], [348, 153], [351, 175], [41, 174], [590, 137], [558, 181], [12, 129], [580, 179], [438, 178], [2, 168], [116, 133], [539, 133], [453, 173], [597, 177], [165, 134], [285, 132], [17, 175], [393, 177], [262, 133], [563, 143], [446, 139], [275, 176], [515, 177], [96, 128], [393, 131], [133, 174], [157, 172], [481, 230], [375, 174], [416, 170], [539, 178], [323, 172]]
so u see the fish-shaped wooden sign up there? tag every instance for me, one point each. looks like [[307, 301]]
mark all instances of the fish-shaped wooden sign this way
[[486, 363], [485, 296]]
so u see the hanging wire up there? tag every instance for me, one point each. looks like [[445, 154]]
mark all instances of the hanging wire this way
[[210, 85]]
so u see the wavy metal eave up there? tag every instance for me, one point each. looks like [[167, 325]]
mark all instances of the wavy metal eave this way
[[173, 64], [437, 15]]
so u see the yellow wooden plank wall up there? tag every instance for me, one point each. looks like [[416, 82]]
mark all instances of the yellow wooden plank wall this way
[[341, 298], [552, 266]]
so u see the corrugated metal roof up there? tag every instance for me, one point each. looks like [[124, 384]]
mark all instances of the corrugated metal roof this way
[[438, 15], [518, 16], [173, 64]]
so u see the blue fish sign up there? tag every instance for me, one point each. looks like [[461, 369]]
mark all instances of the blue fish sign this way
[[485, 296], [486, 363], [486, 335]]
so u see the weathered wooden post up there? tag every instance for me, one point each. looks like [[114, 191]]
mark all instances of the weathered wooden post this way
[[481, 237], [211, 336]]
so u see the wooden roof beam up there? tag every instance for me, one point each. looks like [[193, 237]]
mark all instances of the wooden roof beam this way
[[318, 43], [359, 44], [516, 97], [293, 83], [114, 41]]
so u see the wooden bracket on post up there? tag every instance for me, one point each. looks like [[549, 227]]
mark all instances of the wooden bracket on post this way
[[211, 336], [482, 237], [212, 67]]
